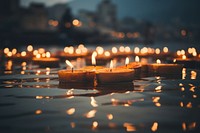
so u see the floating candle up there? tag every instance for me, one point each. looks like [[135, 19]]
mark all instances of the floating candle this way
[[165, 69], [79, 76], [187, 62], [113, 75], [46, 61]]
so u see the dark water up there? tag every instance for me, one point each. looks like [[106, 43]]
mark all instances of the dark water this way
[[33, 101]]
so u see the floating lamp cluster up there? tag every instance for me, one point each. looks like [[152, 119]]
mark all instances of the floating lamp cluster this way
[[44, 59], [97, 58]]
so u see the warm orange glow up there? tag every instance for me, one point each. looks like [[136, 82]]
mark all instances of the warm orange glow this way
[[70, 111], [184, 57], [94, 124], [157, 51], [178, 52], [69, 64], [183, 32], [48, 54], [154, 127], [114, 50], [37, 112], [129, 127], [66, 49], [38, 56], [35, 52], [137, 59], [100, 50], [14, 51], [76, 23], [41, 50], [23, 53], [93, 102], [109, 116], [165, 49], [43, 55], [91, 114], [23, 64], [158, 61], [182, 52], [121, 48], [6, 50], [30, 48], [94, 54], [39, 97], [107, 53], [158, 88], [71, 50], [73, 125], [9, 54], [194, 53], [193, 74], [78, 51], [53, 23], [111, 65], [144, 50], [136, 50], [184, 126], [126, 61], [127, 49], [189, 105]]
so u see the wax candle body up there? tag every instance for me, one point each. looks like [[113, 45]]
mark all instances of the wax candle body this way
[[115, 75], [75, 76], [46, 62], [165, 68]]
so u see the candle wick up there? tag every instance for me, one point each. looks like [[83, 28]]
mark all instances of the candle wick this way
[[126, 65], [110, 70], [72, 69]]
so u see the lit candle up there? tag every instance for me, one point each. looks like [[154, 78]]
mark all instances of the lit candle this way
[[46, 60], [165, 69], [114, 75], [74, 76], [93, 67], [70, 64], [126, 61], [187, 62]]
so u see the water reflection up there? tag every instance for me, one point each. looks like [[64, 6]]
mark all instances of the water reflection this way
[[150, 104]]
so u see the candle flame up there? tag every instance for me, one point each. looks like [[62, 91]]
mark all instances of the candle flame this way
[[29, 48], [94, 54], [69, 64], [111, 65], [38, 56], [184, 57], [127, 61], [158, 61], [137, 59], [48, 54]]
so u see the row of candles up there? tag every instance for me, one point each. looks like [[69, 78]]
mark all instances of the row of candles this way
[[82, 51], [125, 73], [101, 74]]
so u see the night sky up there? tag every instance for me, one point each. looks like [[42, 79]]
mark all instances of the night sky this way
[[187, 11]]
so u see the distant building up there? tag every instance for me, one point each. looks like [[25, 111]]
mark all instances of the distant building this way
[[56, 11], [106, 14], [9, 7], [34, 18], [9, 15], [87, 19]]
